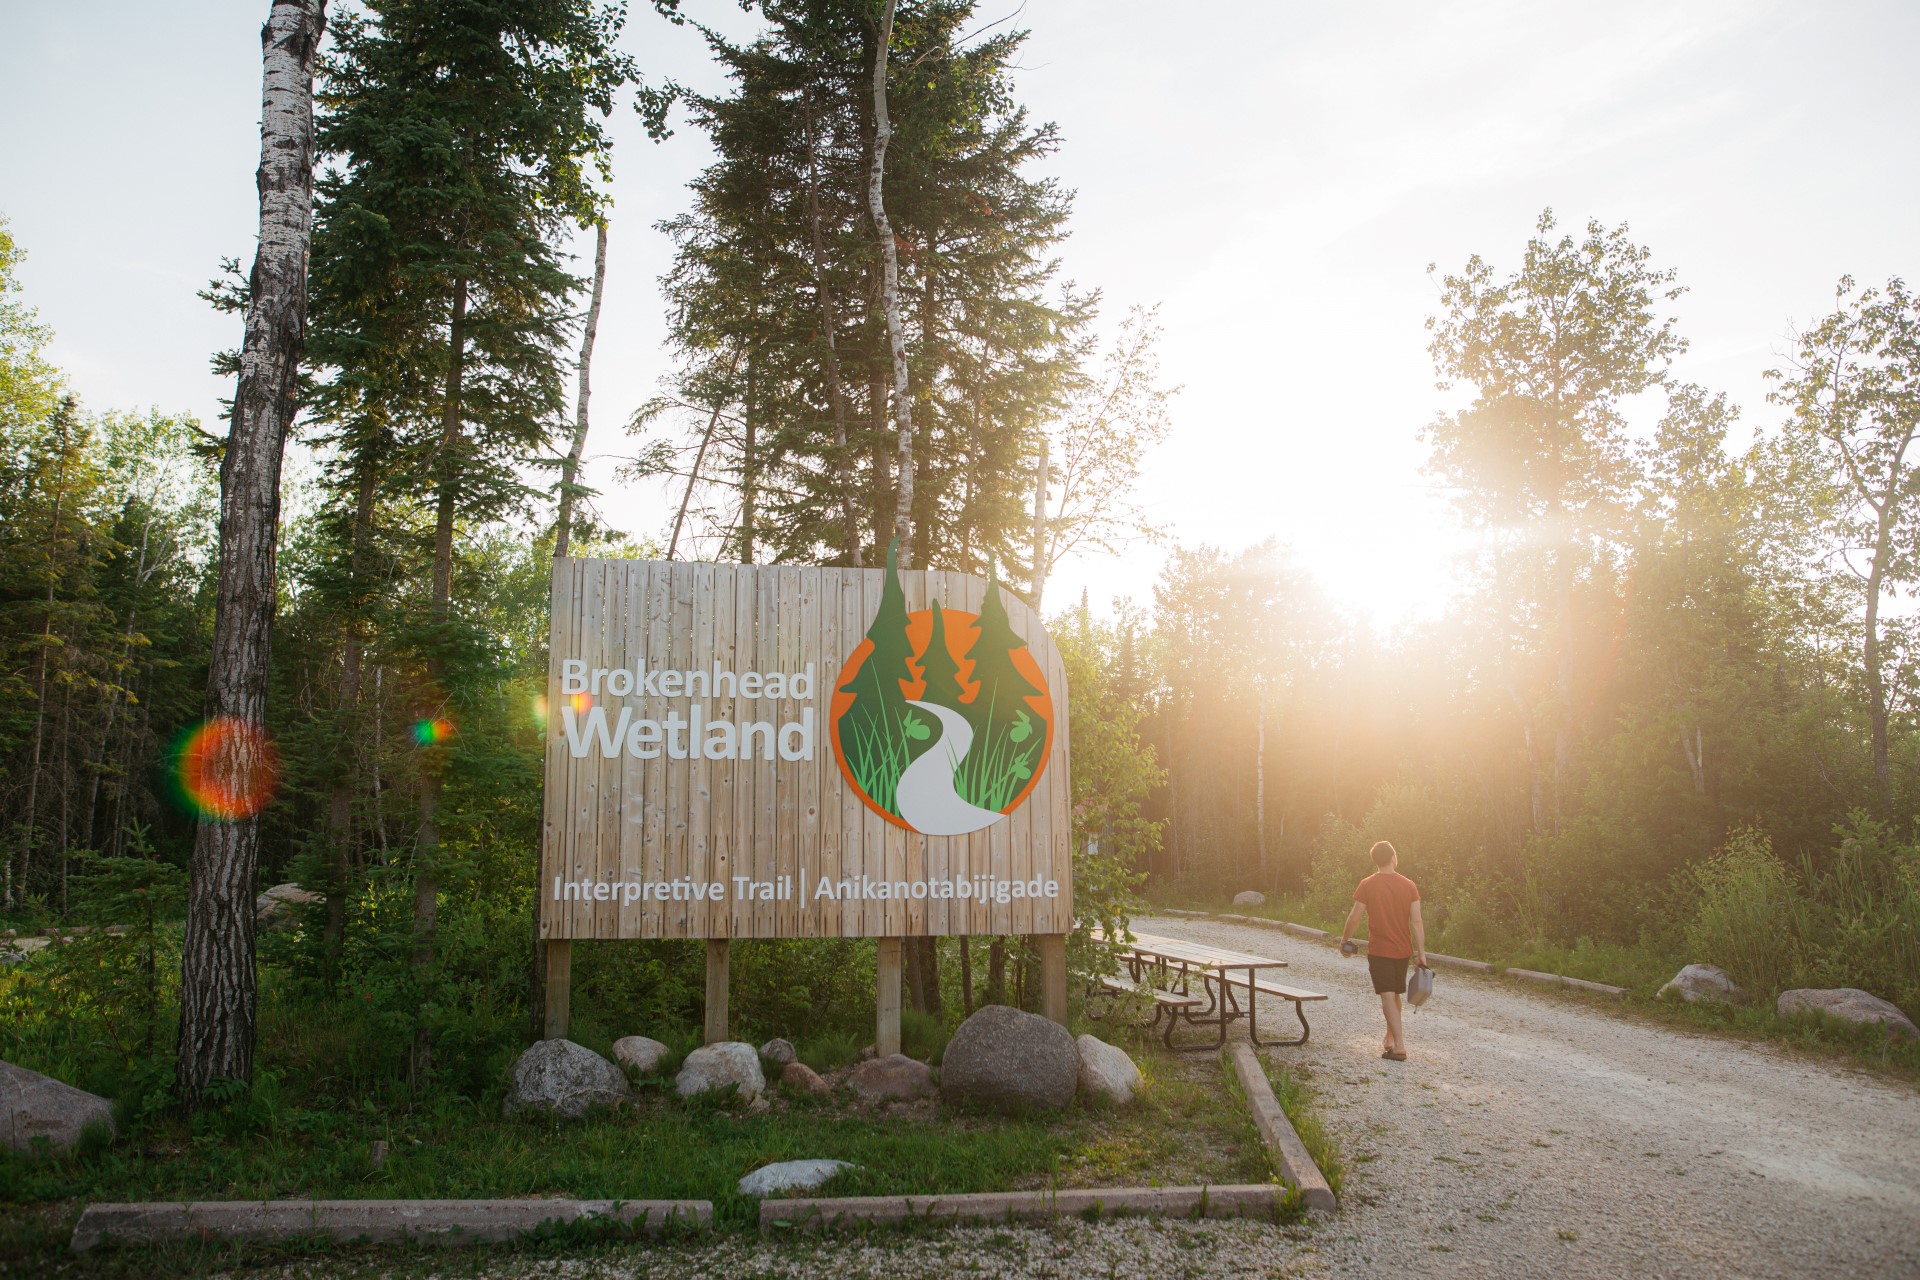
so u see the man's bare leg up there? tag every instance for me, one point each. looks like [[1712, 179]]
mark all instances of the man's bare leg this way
[[1390, 1008]]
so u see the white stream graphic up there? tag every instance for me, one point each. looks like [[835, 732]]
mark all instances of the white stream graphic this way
[[925, 795]]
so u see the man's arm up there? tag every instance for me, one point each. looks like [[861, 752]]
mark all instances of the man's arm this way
[[1419, 932], [1354, 917]]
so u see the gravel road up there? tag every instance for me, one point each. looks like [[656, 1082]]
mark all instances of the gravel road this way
[[1530, 1134]]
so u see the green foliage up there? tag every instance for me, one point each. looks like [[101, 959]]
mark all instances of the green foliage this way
[[1749, 920]]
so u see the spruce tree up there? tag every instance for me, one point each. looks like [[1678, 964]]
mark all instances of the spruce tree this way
[[1009, 739], [937, 664]]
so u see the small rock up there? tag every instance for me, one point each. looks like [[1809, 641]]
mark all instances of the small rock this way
[[1250, 898], [378, 1153], [790, 1175], [1106, 1071], [867, 1052], [640, 1053], [1851, 1004], [1702, 982], [801, 1078], [716, 1066], [36, 1106], [760, 1105], [274, 908], [566, 1079], [894, 1078], [1010, 1061], [779, 1052]]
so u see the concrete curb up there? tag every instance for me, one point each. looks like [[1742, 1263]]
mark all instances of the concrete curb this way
[[1290, 1157], [1433, 957], [1257, 1200], [374, 1221]]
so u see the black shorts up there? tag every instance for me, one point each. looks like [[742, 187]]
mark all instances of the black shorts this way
[[1389, 973]]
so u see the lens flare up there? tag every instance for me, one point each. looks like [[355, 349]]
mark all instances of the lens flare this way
[[432, 733], [579, 703], [224, 769], [540, 710]]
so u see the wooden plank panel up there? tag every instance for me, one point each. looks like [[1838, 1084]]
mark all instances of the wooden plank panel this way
[[613, 816], [657, 827], [746, 650], [728, 855]]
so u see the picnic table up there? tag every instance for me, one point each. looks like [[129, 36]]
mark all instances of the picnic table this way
[[1167, 969]]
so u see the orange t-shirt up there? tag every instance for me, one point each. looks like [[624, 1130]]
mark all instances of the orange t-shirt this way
[[1388, 897]]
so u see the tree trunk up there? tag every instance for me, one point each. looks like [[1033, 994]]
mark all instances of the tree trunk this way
[[997, 971], [217, 979], [890, 292], [748, 462], [1870, 655], [966, 974], [1040, 526], [1695, 749], [426, 855], [570, 469], [923, 975], [29, 833], [829, 329], [352, 663], [1260, 779]]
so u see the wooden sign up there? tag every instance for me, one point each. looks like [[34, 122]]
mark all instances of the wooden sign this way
[[764, 751]]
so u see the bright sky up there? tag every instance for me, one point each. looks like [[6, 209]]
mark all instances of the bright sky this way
[[1277, 175]]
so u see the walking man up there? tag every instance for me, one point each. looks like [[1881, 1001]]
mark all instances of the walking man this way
[[1390, 904]]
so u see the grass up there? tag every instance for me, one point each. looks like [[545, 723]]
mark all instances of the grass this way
[[1184, 1128], [1296, 1099]]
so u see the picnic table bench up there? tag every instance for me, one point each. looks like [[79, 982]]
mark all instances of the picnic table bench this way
[[1165, 969]]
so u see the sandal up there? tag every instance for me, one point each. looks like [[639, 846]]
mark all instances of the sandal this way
[[1391, 1056]]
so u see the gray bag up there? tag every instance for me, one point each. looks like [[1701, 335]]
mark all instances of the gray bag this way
[[1419, 986]]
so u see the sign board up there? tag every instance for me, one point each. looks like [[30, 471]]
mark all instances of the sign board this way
[[766, 751]]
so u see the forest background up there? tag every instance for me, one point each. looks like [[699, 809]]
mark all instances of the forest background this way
[[1670, 718]]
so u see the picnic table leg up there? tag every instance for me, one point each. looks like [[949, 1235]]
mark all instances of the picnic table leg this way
[[1300, 1011]]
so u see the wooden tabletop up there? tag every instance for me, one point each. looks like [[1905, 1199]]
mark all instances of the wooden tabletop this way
[[1195, 953]]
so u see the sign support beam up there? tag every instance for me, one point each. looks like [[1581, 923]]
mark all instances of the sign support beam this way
[[886, 1031], [718, 963], [559, 986], [1053, 976]]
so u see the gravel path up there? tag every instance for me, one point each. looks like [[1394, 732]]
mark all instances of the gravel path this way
[[1529, 1135], [1539, 1135]]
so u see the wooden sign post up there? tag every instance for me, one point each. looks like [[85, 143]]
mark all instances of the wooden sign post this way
[[766, 751]]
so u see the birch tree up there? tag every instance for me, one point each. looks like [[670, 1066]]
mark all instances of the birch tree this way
[[890, 290], [1854, 390], [217, 979]]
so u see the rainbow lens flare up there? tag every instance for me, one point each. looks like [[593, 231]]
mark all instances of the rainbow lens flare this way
[[432, 733], [540, 710], [224, 769]]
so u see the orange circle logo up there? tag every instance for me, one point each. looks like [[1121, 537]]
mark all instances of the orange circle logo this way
[[941, 720]]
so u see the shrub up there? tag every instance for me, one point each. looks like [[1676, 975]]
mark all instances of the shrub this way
[[1750, 914]]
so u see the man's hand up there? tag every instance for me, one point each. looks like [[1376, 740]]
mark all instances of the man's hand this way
[[1421, 961]]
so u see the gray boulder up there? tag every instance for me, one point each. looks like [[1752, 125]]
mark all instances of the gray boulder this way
[[1702, 982], [1010, 1061], [801, 1078], [565, 1079], [894, 1078], [790, 1175], [36, 1106], [1250, 898], [1851, 1004], [1106, 1071], [640, 1053], [779, 1052], [274, 908], [716, 1066]]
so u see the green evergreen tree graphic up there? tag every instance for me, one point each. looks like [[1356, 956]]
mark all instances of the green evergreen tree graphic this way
[[880, 734], [939, 667], [1009, 739]]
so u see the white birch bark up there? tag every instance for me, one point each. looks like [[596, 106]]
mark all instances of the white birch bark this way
[[217, 980], [890, 291], [570, 470]]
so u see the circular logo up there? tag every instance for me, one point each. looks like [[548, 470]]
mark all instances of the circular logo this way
[[941, 720]]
